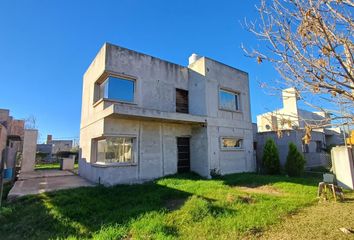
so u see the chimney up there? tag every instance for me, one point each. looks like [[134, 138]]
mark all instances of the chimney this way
[[49, 138], [194, 57]]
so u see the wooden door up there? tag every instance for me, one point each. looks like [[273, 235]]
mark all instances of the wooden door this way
[[183, 152]]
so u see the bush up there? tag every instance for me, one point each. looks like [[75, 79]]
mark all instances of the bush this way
[[270, 160], [295, 161]]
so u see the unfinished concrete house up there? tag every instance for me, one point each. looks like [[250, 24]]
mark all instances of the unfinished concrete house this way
[[144, 118], [290, 122]]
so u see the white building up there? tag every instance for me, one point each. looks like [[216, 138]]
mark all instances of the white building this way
[[290, 121], [144, 118]]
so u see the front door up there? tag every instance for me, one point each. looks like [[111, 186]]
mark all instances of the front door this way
[[183, 151]]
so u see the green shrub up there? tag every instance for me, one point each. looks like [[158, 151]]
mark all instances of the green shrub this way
[[270, 160], [295, 161]]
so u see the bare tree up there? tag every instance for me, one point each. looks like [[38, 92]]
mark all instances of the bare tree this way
[[310, 43], [31, 122]]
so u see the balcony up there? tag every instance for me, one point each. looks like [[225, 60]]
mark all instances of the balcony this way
[[133, 111]]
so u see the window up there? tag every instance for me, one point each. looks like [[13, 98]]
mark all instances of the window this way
[[231, 143], [255, 146], [228, 100], [115, 150], [305, 148], [117, 89], [318, 146], [181, 101]]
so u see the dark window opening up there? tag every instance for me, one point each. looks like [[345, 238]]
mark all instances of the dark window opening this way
[[182, 101], [318, 146]]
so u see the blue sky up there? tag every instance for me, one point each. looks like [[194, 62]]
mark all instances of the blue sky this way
[[46, 46]]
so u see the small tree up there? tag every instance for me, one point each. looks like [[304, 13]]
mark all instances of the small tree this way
[[295, 161], [270, 160]]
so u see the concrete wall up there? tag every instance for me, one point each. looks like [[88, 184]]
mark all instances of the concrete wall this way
[[312, 158], [29, 150], [156, 80], [155, 152], [222, 123], [11, 137], [200, 151], [4, 116], [17, 127]]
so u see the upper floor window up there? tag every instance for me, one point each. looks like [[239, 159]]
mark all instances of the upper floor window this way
[[318, 146], [305, 147], [118, 89], [228, 100], [181, 101]]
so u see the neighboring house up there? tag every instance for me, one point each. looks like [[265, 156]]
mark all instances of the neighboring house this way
[[144, 118], [52, 147], [11, 138], [287, 125], [61, 145]]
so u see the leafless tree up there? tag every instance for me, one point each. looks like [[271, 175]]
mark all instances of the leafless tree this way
[[310, 43], [31, 123]]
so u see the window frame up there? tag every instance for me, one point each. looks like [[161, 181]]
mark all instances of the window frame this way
[[237, 138], [134, 156], [235, 93], [103, 78]]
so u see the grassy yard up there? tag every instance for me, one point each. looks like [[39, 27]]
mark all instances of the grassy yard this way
[[43, 166], [177, 207], [320, 221]]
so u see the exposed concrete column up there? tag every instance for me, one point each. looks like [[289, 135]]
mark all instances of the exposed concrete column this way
[[29, 150]]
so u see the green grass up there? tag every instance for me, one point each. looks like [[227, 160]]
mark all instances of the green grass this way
[[205, 209], [44, 166]]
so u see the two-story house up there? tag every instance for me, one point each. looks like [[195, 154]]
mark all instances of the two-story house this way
[[144, 118], [290, 122]]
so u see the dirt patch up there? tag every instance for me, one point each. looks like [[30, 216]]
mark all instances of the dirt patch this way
[[247, 199], [264, 189], [174, 204], [324, 220]]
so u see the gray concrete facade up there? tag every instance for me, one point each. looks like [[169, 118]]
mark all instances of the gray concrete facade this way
[[314, 154], [152, 121]]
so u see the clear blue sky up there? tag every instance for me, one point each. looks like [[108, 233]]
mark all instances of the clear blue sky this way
[[46, 46]]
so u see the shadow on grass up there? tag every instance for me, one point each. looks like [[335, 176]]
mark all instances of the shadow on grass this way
[[83, 211], [118, 210]]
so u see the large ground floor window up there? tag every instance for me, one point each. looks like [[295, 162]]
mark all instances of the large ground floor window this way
[[231, 143], [115, 150]]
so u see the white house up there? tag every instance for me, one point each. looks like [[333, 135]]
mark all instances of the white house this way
[[290, 121], [144, 118]]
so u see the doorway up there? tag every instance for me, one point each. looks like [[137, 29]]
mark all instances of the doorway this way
[[183, 152]]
